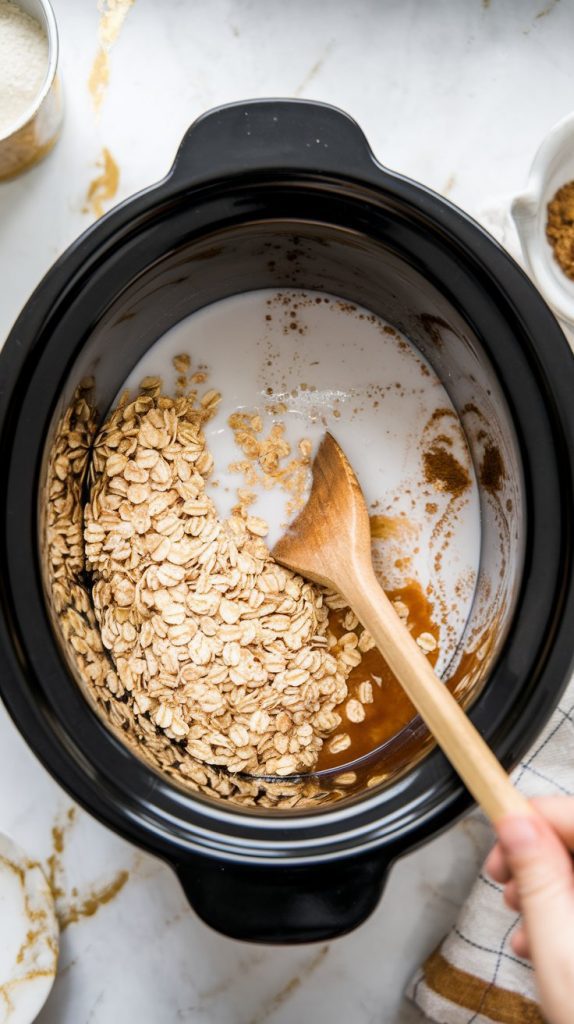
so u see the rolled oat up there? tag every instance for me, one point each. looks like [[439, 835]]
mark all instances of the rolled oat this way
[[229, 650], [215, 665]]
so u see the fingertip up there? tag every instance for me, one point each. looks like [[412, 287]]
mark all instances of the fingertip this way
[[535, 853], [559, 812], [517, 835], [511, 897], [520, 944], [496, 865]]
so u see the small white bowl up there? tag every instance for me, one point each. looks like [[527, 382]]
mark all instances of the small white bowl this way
[[553, 166], [28, 936]]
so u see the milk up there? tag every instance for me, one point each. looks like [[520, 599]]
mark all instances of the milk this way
[[338, 368]]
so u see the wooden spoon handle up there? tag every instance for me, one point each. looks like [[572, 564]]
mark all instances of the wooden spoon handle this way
[[465, 748]]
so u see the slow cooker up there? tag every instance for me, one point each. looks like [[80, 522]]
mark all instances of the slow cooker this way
[[274, 194]]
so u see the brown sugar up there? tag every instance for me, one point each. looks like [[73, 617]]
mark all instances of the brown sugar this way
[[444, 471], [560, 227]]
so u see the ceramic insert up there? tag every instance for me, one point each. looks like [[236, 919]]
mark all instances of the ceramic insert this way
[[292, 364], [313, 363]]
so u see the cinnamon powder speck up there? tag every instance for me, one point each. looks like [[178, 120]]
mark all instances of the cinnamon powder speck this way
[[444, 471], [492, 471]]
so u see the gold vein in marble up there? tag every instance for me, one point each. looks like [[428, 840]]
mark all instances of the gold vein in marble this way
[[37, 956], [113, 13], [288, 990], [72, 906]]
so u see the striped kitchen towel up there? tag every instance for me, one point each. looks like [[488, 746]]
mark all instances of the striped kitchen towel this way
[[474, 977]]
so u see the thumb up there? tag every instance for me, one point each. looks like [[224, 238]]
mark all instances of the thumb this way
[[542, 869], [541, 866]]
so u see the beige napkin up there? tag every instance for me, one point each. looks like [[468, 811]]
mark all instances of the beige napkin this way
[[474, 977]]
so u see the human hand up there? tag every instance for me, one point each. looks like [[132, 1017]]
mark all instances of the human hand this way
[[532, 860]]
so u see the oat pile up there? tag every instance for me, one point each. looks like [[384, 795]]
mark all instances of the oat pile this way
[[220, 649]]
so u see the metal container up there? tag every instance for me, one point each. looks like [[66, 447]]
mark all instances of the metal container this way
[[34, 134]]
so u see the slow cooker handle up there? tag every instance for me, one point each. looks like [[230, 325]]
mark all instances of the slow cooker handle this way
[[273, 135], [276, 905]]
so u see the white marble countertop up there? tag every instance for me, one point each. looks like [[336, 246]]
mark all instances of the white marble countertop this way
[[457, 95]]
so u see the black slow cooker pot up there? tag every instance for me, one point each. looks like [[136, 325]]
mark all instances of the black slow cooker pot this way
[[274, 194]]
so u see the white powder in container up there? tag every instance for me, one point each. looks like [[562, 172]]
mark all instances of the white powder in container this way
[[23, 64]]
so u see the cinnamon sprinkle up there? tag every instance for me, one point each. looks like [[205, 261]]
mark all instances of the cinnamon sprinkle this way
[[443, 471], [492, 471]]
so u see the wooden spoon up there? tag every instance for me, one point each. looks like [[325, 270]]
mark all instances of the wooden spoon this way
[[330, 543]]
